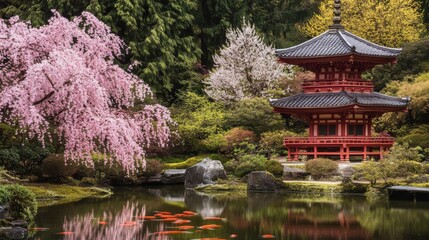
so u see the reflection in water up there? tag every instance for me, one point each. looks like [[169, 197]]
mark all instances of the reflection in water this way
[[120, 225], [203, 204], [248, 217]]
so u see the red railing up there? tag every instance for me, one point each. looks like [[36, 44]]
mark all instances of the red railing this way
[[338, 140], [337, 83]]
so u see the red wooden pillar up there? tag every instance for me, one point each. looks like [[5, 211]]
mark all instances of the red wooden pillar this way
[[315, 152], [347, 153], [342, 153], [364, 153], [288, 154]]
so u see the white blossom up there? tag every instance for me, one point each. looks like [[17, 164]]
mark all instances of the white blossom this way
[[245, 67]]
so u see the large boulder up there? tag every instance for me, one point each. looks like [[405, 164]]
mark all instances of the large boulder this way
[[290, 173], [263, 181], [205, 172], [173, 176]]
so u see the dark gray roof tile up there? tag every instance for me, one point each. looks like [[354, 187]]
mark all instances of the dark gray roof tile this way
[[338, 99], [336, 42]]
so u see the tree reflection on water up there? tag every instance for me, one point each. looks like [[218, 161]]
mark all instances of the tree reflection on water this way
[[249, 216]]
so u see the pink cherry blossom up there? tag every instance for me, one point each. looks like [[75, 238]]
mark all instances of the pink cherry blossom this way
[[63, 76]]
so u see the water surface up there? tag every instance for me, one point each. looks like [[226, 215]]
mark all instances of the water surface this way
[[284, 216]]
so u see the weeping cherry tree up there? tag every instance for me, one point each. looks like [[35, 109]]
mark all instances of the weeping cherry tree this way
[[63, 76]]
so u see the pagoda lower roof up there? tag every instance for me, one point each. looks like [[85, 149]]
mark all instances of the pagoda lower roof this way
[[338, 100], [337, 42]]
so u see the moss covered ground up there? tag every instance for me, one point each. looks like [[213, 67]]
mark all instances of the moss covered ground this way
[[192, 161], [49, 194]]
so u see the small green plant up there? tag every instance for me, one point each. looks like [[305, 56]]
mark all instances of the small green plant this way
[[321, 167], [275, 167], [21, 201]]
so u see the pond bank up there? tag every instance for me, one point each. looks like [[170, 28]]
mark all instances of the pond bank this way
[[50, 194], [292, 186]]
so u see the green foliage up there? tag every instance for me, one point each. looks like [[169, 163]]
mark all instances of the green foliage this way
[[235, 137], [414, 59], [272, 142], [388, 169], [21, 201], [321, 167], [275, 167], [55, 167], [254, 114], [403, 152], [250, 163], [20, 155], [198, 119]]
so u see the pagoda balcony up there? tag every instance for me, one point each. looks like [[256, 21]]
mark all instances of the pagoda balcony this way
[[337, 85], [350, 140]]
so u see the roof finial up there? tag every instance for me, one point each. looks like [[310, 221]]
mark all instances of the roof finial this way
[[337, 16]]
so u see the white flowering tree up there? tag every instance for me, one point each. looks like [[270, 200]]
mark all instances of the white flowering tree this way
[[245, 67]]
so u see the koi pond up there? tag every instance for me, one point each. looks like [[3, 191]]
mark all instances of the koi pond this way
[[170, 212]]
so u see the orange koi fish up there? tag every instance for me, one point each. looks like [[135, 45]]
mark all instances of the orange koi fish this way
[[164, 213], [65, 233], [210, 226], [102, 223], [181, 221], [186, 227], [189, 213], [267, 236], [169, 219], [147, 217]]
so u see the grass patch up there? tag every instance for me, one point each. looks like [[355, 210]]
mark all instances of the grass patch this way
[[53, 194], [192, 161], [172, 158], [315, 187]]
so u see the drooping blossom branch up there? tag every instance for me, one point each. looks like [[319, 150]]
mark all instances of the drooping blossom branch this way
[[63, 74]]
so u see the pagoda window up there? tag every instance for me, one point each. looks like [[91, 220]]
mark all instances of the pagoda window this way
[[327, 130], [356, 130]]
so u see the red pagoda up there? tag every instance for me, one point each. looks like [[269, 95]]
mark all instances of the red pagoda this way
[[338, 105]]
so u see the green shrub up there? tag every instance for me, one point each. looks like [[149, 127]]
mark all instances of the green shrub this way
[[255, 114], [237, 136], [55, 168], [321, 167], [198, 119], [4, 196], [406, 168], [272, 142], [153, 167], [250, 163], [214, 142], [274, 167], [404, 152], [22, 202]]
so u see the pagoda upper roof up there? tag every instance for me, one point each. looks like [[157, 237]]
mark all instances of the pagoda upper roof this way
[[337, 42], [339, 99]]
